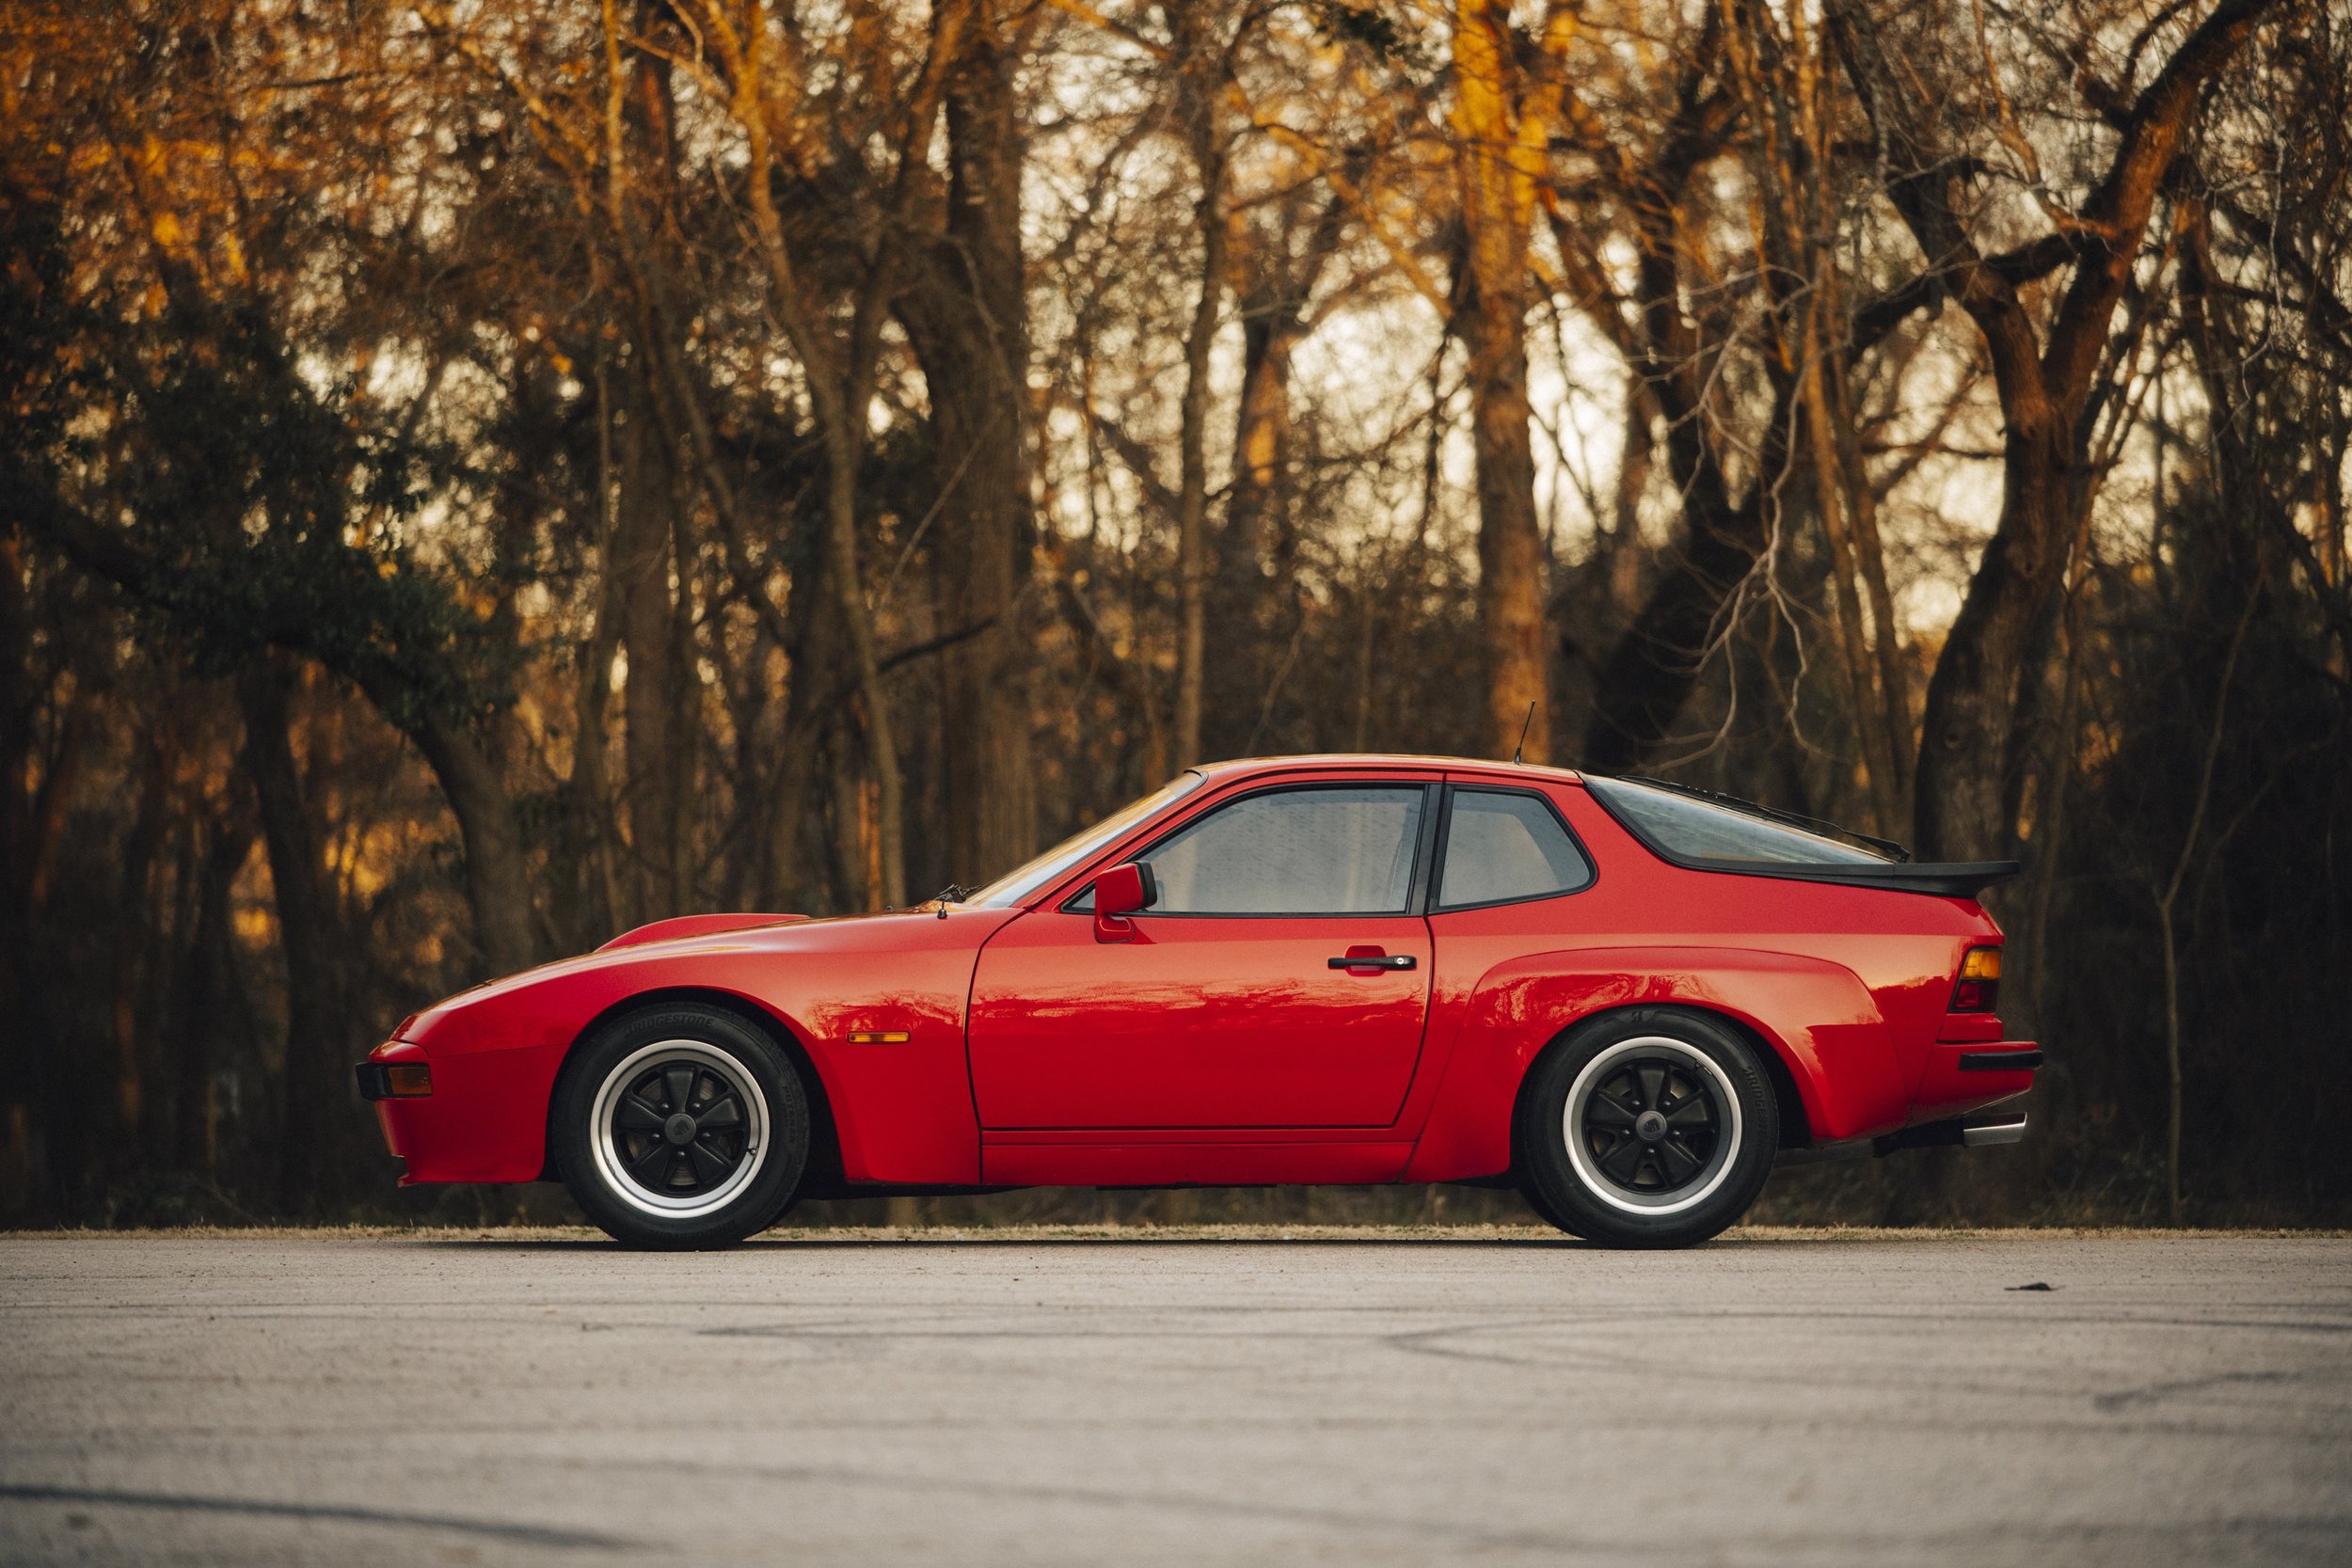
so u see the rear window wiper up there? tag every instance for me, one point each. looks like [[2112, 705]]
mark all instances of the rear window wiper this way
[[1886, 846]]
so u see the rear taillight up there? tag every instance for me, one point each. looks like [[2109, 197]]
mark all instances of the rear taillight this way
[[1978, 989]]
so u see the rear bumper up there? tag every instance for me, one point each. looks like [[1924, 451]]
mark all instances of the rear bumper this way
[[1963, 1076], [2001, 1058]]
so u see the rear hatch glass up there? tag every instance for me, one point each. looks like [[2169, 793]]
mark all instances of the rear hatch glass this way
[[1689, 828]]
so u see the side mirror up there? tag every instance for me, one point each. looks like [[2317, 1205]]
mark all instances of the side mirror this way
[[1119, 892]]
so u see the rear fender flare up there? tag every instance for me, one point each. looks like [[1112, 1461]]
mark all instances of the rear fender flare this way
[[1816, 1016]]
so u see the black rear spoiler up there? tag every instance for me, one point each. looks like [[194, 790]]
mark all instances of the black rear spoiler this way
[[1949, 879], [1898, 873]]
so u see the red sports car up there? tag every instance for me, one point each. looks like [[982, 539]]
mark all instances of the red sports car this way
[[1626, 998]]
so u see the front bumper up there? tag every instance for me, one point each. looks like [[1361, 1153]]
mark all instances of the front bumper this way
[[485, 1119], [394, 1080]]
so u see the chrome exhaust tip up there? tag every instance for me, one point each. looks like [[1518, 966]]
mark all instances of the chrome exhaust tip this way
[[1977, 1134], [2002, 1126]]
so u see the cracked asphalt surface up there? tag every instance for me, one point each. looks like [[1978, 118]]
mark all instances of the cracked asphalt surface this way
[[1503, 1397]]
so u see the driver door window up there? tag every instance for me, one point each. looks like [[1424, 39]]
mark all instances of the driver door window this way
[[1294, 852]]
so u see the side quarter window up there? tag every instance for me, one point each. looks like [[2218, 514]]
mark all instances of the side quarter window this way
[[1502, 846]]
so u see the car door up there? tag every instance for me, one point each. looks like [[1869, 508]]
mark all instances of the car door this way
[[1221, 1007]]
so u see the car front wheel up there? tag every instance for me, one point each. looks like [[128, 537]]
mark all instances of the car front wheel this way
[[680, 1127], [1649, 1128]]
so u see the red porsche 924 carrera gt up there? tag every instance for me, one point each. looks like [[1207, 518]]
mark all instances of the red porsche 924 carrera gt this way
[[1626, 998]]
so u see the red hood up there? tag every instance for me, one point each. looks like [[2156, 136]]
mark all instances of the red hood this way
[[694, 926], [551, 1003]]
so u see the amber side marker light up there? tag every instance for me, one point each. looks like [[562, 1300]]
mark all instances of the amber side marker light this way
[[1978, 989], [878, 1036], [407, 1080], [394, 1080]]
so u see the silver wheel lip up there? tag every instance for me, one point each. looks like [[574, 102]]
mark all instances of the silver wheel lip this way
[[608, 1155], [1600, 1186]]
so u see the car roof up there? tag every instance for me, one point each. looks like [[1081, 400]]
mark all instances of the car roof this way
[[1311, 762]]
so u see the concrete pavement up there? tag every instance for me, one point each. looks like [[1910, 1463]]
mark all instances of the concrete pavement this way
[[1500, 1398]]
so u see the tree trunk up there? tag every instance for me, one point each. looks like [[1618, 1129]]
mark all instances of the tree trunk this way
[[1192, 497], [135, 1141], [19, 1063], [590, 791], [1273, 316], [811, 673], [1648, 674], [969, 323], [656, 714], [1491, 319], [1239, 599], [315, 1085], [1779, 77], [1959, 808], [498, 875], [855, 878], [208, 998], [887, 889], [1961, 801], [1839, 515], [1887, 640], [840, 379]]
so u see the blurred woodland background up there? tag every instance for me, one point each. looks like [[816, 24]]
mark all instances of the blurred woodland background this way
[[480, 474]]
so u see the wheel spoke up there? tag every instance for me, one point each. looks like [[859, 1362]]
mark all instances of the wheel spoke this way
[[648, 1167], [710, 1165], [1677, 1163], [1607, 1110], [679, 1081], [725, 1110], [1653, 1079], [636, 1115], [1623, 1162], [1693, 1112]]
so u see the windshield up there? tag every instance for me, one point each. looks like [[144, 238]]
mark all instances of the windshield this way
[[1016, 887], [1683, 827]]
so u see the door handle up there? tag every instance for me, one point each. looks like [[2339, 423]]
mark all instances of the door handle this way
[[1371, 960]]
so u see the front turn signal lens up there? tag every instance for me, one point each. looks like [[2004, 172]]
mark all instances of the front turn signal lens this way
[[1978, 989], [409, 1080]]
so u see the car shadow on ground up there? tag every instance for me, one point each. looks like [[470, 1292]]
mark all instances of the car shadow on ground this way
[[831, 1243]]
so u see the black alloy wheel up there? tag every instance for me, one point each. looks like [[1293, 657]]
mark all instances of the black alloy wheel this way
[[1650, 1127], [681, 1128], [683, 1125]]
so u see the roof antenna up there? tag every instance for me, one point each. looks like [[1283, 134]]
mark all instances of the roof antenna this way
[[1523, 729]]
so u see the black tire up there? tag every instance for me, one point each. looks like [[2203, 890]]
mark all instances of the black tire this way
[[1543, 1206], [680, 1127], [1675, 1129]]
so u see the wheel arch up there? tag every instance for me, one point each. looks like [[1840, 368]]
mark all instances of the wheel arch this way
[[1795, 1126], [824, 1150]]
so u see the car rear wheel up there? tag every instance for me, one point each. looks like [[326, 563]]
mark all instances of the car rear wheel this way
[[680, 1127], [1649, 1128]]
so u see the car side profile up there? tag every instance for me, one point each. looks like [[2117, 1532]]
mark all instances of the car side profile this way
[[1625, 998]]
